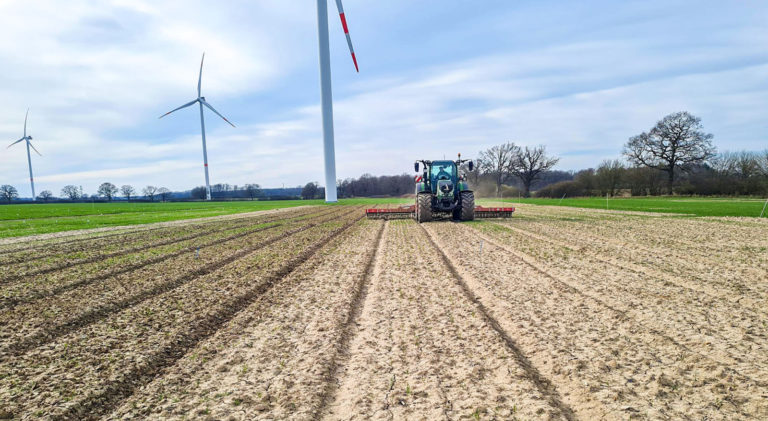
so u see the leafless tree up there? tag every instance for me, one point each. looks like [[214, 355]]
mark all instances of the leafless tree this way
[[676, 142], [609, 175], [252, 190], [150, 192], [127, 191], [8, 192], [71, 192], [107, 190], [528, 164], [496, 163], [164, 193], [46, 195]]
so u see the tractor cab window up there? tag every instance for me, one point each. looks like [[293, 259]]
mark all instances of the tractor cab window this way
[[442, 172]]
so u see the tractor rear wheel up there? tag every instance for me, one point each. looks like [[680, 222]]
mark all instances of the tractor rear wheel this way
[[467, 206], [423, 207]]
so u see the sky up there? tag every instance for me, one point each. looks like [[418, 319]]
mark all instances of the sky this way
[[437, 77]]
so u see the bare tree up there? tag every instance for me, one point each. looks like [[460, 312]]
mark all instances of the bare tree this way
[[127, 191], [107, 190], [71, 192], [8, 192], [528, 164], [676, 142], [164, 193], [253, 190], [149, 192], [496, 163], [309, 191], [46, 195], [609, 175]]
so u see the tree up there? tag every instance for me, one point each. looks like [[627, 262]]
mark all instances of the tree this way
[[71, 192], [149, 192], [528, 163], [8, 192], [199, 192], [46, 195], [107, 190], [164, 193], [676, 142], [496, 162], [609, 175], [309, 191], [253, 190], [127, 191]]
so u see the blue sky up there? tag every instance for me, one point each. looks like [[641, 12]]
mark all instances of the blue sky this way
[[436, 77]]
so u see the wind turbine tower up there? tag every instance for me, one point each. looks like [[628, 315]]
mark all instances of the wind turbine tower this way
[[29, 156], [326, 95], [202, 102]]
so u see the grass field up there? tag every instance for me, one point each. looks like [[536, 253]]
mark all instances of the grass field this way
[[682, 205], [29, 219]]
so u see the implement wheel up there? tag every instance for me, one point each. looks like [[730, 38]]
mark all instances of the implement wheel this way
[[467, 206], [423, 207]]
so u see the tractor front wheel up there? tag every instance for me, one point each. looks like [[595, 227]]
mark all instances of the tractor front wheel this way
[[423, 207], [467, 206]]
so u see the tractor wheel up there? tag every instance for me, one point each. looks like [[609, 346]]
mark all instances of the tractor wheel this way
[[467, 206], [423, 207]]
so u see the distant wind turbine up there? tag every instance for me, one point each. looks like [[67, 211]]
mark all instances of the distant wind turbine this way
[[326, 95], [201, 101], [29, 157]]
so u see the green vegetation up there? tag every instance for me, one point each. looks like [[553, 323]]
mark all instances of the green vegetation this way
[[28, 219], [693, 206]]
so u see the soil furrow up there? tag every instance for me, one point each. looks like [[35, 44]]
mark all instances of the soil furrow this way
[[49, 289], [111, 394], [97, 314], [100, 257], [172, 236], [642, 302], [343, 347], [543, 384]]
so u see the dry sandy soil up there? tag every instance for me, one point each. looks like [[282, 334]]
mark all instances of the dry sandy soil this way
[[315, 313]]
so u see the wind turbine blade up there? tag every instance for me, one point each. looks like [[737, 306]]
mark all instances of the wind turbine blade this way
[[346, 33], [16, 142], [25, 123], [200, 78], [33, 148], [177, 109], [217, 113]]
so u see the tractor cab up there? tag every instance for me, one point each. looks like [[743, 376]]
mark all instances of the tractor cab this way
[[443, 178]]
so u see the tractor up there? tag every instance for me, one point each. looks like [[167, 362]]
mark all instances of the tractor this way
[[441, 190]]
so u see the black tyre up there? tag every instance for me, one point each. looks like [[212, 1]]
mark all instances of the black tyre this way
[[467, 206], [423, 207]]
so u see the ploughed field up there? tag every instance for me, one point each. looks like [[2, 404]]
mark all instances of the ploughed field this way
[[315, 313]]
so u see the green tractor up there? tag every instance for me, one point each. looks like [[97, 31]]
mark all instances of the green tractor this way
[[442, 190]]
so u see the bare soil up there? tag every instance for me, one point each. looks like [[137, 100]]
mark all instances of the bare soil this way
[[314, 313]]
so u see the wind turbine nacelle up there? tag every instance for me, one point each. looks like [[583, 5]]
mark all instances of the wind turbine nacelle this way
[[29, 137]]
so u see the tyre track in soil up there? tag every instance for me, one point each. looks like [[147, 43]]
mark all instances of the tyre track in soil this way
[[125, 230], [32, 295], [694, 288], [545, 386], [697, 374], [735, 356], [110, 360], [99, 313], [420, 350], [341, 357], [274, 359], [112, 394], [79, 262], [685, 259], [172, 232]]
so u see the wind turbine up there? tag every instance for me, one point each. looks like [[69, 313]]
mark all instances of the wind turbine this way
[[29, 157], [326, 96], [202, 102]]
